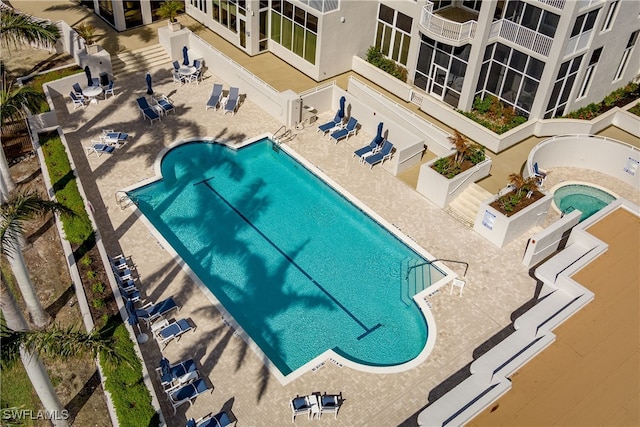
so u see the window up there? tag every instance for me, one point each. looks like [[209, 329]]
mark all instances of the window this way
[[563, 87], [611, 12], [295, 29], [393, 34], [625, 55], [593, 62], [584, 23], [225, 13], [510, 75], [532, 17]]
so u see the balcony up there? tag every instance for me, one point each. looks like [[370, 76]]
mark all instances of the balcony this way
[[522, 36], [451, 25]]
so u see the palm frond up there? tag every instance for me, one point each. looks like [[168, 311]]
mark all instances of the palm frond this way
[[55, 342], [21, 207], [13, 101], [20, 29]]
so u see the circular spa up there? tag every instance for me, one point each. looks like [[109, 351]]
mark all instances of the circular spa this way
[[584, 197]]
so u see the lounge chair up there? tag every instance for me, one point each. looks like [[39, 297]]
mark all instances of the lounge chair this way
[[187, 393], [77, 89], [78, 100], [330, 403], [120, 262], [166, 331], [114, 138], [130, 293], [214, 99], [232, 100], [173, 376], [347, 131], [146, 109], [373, 146], [541, 174], [166, 105], [221, 419], [324, 128], [151, 312], [299, 405], [380, 156], [127, 284], [100, 149]]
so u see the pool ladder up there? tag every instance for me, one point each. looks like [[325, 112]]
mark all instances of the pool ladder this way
[[122, 199], [281, 136]]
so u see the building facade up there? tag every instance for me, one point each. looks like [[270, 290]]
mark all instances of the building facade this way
[[544, 58]]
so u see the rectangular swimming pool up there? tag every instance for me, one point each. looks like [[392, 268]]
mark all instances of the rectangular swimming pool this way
[[298, 266]]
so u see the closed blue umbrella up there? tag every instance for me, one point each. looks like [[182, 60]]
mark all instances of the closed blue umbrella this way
[[87, 71], [165, 370], [131, 311], [149, 89], [185, 56], [341, 110], [379, 137]]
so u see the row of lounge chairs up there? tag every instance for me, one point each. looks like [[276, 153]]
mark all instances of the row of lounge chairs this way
[[162, 106], [107, 142], [228, 103], [377, 151], [315, 404]]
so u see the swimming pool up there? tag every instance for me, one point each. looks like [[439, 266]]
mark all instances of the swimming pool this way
[[583, 197], [298, 266]]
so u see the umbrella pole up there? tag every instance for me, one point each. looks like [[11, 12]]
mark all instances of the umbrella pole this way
[[142, 337]]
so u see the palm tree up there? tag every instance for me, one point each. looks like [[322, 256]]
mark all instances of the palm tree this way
[[20, 343], [461, 145], [520, 183], [21, 207], [21, 29], [12, 104]]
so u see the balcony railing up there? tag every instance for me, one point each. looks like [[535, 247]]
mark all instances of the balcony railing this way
[[445, 29], [558, 4], [521, 36]]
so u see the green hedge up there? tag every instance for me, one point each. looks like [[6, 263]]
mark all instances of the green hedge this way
[[124, 382], [37, 81], [376, 58], [77, 228]]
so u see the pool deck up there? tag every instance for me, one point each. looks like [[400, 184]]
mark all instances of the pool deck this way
[[498, 286], [241, 382]]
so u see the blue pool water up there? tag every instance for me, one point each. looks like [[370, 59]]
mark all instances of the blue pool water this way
[[586, 199], [299, 267]]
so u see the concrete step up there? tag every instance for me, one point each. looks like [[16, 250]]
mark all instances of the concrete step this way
[[139, 60], [466, 205]]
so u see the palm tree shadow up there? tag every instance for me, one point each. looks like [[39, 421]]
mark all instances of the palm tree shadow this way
[[84, 394], [62, 300]]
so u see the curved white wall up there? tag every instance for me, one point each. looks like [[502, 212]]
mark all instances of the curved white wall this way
[[609, 156]]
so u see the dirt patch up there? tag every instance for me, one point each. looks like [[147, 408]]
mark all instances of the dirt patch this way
[[512, 203], [76, 382]]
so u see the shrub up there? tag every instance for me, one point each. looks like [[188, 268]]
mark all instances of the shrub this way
[[77, 228], [619, 96], [91, 274], [492, 114], [97, 303], [635, 109], [99, 287], [376, 58], [125, 383]]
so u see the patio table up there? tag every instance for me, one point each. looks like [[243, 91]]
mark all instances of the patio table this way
[[91, 92]]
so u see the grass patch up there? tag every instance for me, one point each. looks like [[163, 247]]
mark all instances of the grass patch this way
[[17, 392], [130, 396], [37, 81], [77, 228]]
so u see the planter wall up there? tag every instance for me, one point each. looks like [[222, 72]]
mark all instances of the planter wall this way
[[501, 230], [441, 190], [382, 78]]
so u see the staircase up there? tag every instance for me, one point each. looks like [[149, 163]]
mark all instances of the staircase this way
[[139, 61], [465, 207]]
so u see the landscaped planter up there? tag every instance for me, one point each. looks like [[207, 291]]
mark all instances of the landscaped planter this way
[[502, 230], [442, 190]]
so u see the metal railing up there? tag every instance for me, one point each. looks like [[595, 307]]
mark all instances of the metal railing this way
[[461, 32], [522, 36]]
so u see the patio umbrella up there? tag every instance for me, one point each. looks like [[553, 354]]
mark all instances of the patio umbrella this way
[[379, 137], [149, 89], [87, 71], [165, 370], [185, 56], [132, 319], [341, 110]]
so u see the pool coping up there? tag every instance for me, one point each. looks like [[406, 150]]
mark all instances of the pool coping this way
[[329, 354]]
